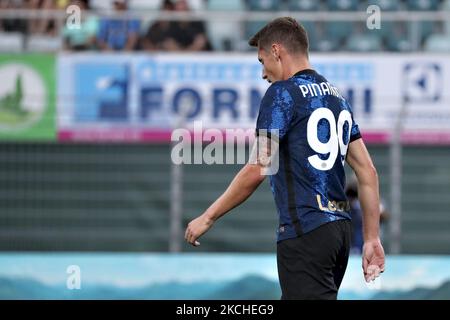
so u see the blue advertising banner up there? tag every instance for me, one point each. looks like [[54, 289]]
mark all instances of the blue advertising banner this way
[[142, 97]]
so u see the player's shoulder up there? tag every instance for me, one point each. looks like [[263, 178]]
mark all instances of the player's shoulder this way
[[281, 88], [279, 85]]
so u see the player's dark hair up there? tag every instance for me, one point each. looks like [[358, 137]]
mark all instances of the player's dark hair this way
[[286, 31]]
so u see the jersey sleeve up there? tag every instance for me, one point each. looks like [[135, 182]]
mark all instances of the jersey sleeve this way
[[355, 134], [276, 111]]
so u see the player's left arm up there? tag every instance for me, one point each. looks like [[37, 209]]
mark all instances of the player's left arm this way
[[373, 253], [243, 185]]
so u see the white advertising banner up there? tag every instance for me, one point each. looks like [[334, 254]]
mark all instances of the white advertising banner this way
[[142, 97]]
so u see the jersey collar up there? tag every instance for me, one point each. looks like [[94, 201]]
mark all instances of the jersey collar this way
[[304, 71]]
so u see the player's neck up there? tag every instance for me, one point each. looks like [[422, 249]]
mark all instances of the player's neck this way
[[294, 67]]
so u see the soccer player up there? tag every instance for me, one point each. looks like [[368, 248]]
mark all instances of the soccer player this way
[[316, 135]]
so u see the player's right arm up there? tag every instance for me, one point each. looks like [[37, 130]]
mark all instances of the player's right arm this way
[[373, 254], [275, 115]]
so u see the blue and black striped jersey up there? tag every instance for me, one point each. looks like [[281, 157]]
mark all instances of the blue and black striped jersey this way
[[315, 126]]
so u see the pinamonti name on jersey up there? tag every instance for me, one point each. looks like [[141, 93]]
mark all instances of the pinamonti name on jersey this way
[[315, 125]]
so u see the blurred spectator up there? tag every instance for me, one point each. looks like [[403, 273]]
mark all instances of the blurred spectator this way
[[397, 39], [356, 213], [82, 38], [322, 41], [446, 9], [186, 35], [118, 34], [159, 31], [439, 40], [12, 25], [362, 40], [62, 4], [43, 26]]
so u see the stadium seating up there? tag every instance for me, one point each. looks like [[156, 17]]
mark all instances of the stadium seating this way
[[438, 43], [324, 45], [223, 34], [386, 5], [229, 5], [320, 41], [310, 27], [226, 35], [11, 41], [196, 5], [446, 7], [144, 4], [251, 27], [398, 39], [100, 5], [422, 5], [364, 43], [338, 30], [342, 5], [303, 5], [40, 43], [264, 5], [424, 29]]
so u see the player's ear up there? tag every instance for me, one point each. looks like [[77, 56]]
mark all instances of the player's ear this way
[[275, 50]]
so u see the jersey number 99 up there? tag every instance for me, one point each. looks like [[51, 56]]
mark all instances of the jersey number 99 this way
[[336, 142]]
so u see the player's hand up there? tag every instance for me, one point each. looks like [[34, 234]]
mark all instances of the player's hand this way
[[197, 228], [373, 259]]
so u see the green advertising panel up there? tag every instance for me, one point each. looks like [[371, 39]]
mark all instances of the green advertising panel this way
[[27, 97]]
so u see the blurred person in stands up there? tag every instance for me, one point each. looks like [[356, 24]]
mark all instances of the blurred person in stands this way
[[185, 35], [82, 38], [312, 126], [62, 4], [159, 31], [13, 25], [42, 26], [356, 213], [118, 34]]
